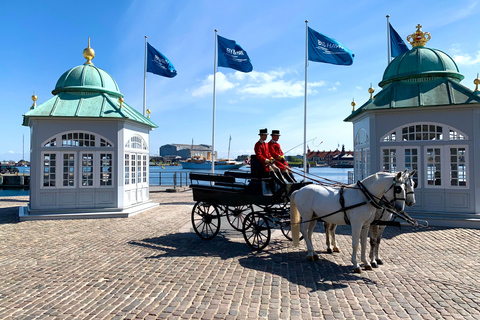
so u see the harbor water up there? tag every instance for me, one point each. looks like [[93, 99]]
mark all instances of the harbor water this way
[[166, 175]]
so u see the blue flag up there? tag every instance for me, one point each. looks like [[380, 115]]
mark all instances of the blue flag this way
[[325, 49], [231, 55], [397, 46], [157, 63]]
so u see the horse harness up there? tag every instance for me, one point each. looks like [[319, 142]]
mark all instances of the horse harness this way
[[382, 204]]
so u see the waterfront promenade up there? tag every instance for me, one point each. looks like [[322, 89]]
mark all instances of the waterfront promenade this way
[[152, 266]]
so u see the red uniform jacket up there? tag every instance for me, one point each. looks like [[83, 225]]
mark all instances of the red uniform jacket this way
[[262, 153], [276, 152]]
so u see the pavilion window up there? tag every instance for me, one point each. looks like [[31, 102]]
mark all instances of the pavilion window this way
[[106, 169], [68, 170], [127, 169], [411, 161], [434, 167], [389, 160], [145, 168], [87, 169], [133, 167], [458, 167], [49, 172]]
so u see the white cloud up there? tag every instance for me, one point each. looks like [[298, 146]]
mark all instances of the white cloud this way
[[259, 84], [466, 59], [222, 85], [11, 152]]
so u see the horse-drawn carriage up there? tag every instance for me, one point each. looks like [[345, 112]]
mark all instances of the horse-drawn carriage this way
[[251, 205], [256, 205]]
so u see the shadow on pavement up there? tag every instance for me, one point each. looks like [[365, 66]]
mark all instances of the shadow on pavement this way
[[321, 275], [9, 215]]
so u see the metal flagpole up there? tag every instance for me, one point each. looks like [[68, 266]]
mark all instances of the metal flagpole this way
[[145, 79], [305, 108], [214, 100], [389, 48]]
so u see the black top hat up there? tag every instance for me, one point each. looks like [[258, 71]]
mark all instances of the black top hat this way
[[275, 132], [263, 131]]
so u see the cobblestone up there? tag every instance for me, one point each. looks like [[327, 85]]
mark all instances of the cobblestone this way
[[153, 266]]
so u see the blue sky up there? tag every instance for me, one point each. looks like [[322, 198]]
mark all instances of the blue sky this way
[[43, 39]]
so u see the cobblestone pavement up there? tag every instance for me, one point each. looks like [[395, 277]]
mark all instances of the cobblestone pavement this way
[[152, 266]]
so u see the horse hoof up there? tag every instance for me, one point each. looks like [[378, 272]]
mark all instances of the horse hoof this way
[[368, 268], [316, 257], [336, 250], [374, 265], [310, 258], [329, 250], [380, 262], [357, 270]]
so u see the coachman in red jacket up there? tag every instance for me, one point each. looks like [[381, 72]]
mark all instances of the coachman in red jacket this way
[[277, 154]]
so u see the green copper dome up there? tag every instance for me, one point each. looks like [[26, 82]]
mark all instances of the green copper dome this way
[[421, 62], [87, 78]]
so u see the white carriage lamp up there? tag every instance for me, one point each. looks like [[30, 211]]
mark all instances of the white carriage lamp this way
[[34, 98], [148, 113], [371, 90], [89, 53], [476, 82], [353, 105], [120, 100]]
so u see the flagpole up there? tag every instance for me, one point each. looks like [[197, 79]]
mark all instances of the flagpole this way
[[305, 104], [214, 101], [389, 57], [145, 79]]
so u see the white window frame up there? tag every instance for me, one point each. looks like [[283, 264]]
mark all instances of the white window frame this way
[[446, 165]]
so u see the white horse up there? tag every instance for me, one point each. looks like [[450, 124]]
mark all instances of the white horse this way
[[351, 205], [376, 230]]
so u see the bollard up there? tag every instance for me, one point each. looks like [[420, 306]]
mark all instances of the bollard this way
[[1, 180], [22, 180], [174, 180]]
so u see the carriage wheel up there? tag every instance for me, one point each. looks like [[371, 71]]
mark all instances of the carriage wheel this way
[[205, 220], [287, 230], [256, 231], [236, 215]]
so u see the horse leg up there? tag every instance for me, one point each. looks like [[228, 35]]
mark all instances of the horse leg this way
[[307, 235], [356, 231], [330, 237], [363, 242], [377, 250], [313, 223], [374, 242]]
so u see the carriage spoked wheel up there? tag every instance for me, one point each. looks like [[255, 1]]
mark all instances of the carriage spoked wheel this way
[[205, 220], [236, 215], [256, 231], [287, 230]]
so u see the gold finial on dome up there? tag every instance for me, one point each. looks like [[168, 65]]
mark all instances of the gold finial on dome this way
[[419, 38], [120, 100], [371, 90], [89, 53], [34, 99], [353, 105], [476, 82], [148, 113]]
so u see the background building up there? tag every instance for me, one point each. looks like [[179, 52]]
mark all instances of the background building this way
[[186, 151], [424, 119]]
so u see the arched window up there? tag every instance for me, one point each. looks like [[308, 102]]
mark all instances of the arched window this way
[[361, 137], [136, 142], [424, 131], [77, 139]]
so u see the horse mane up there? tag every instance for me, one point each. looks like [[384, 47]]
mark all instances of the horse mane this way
[[374, 177]]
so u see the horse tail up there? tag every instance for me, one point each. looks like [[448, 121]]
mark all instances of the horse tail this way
[[294, 220]]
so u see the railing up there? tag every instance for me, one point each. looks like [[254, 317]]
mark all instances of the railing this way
[[351, 177], [176, 179]]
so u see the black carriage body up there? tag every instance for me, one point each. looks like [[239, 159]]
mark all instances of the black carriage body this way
[[252, 206]]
